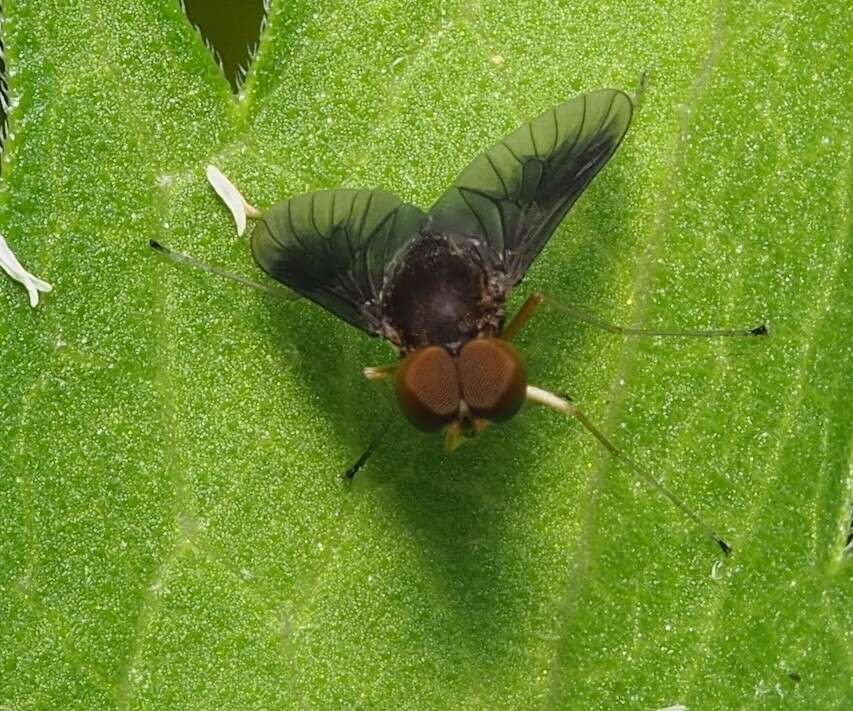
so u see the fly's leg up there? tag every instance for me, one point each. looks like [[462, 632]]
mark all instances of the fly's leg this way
[[523, 316], [642, 85], [375, 373], [380, 372], [371, 447], [555, 402], [277, 292], [530, 306]]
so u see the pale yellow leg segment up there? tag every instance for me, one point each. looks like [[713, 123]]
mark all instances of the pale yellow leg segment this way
[[380, 372]]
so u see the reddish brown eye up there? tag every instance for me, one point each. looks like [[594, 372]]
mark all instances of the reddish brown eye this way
[[492, 377], [428, 388]]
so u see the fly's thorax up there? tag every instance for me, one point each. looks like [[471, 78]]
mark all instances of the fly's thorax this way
[[485, 382], [439, 292]]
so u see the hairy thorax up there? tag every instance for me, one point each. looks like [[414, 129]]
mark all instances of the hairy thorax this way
[[440, 295]]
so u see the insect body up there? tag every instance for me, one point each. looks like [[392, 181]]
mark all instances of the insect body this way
[[434, 284]]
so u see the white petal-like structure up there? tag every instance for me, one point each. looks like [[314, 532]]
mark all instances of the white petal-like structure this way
[[14, 269], [240, 209]]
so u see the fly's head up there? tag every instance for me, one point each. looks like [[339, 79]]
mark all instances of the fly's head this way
[[486, 382]]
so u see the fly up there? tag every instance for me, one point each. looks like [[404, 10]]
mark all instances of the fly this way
[[435, 284]]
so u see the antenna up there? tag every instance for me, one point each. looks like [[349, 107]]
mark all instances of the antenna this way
[[555, 402]]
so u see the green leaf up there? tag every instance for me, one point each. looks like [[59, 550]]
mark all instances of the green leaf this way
[[173, 529]]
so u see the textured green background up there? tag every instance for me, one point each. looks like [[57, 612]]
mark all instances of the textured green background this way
[[173, 532]]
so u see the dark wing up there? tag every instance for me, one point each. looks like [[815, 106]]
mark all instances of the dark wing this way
[[333, 247], [511, 198]]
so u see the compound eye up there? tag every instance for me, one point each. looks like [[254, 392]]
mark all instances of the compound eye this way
[[492, 377], [428, 388]]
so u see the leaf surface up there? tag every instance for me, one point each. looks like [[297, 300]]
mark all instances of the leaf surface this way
[[173, 531]]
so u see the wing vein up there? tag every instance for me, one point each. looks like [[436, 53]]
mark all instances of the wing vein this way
[[529, 125], [556, 130], [366, 212], [392, 216], [347, 225], [293, 227], [313, 216], [271, 233], [363, 245], [538, 180], [498, 174], [609, 111], [474, 212], [512, 152], [580, 128]]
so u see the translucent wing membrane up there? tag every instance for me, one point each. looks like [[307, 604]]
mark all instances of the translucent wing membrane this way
[[512, 197], [333, 247]]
